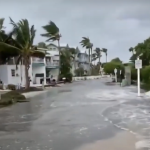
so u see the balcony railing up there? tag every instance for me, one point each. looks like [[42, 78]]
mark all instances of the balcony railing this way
[[37, 60], [52, 64]]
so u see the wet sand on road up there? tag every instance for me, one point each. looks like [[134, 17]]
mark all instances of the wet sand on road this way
[[122, 141]]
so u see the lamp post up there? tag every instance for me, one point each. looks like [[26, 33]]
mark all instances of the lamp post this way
[[138, 66]]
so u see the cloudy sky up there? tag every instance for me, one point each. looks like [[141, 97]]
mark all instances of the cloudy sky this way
[[112, 24]]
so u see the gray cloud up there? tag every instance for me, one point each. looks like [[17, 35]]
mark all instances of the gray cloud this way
[[115, 25]]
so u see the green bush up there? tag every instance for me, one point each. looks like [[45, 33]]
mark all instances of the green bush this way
[[69, 77], [11, 97], [79, 72], [133, 74], [110, 66], [11, 87], [145, 74]]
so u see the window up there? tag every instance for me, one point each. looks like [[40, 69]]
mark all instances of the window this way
[[13, 72]]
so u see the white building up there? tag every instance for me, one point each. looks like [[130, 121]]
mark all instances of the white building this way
[[40, 68], [9, 74]]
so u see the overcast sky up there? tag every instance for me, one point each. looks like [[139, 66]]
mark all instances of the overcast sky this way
[[112, 24]]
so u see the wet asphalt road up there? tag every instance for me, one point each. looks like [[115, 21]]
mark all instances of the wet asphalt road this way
[[62, 119]]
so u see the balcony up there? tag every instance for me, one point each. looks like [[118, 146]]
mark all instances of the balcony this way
[[37, 61], [52, 64]]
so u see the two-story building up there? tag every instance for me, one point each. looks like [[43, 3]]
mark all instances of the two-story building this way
[[12, 74], [83, 61]]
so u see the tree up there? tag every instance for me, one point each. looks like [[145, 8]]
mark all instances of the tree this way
[[65, 64], [42, 45], [104, 50], [53, 34], [74, 53], [88, 45], [117, 60], [110, 66], [23, 41], [1, 24], [141, 48], [98, 54], [7, 50]]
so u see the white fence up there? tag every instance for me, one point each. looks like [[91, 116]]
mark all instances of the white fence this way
[[90, 77]]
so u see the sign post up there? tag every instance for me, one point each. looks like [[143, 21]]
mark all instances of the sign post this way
[[138, 66], [120, 77], [115, 71]]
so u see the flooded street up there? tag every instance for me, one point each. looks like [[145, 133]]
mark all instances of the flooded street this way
[[79, 116]]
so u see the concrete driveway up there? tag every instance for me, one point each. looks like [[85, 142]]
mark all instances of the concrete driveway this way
[[77, 116]]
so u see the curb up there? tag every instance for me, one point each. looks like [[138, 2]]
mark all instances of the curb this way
[[33, 94]]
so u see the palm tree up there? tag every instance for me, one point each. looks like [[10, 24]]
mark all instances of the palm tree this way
[[104, 50], [7, 50], [23, 41], [88, 45], [74, 52], [98, 56], [53, 34], [131, 49], [1, 24]]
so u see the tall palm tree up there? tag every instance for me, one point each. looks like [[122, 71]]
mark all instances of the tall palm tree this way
[[7, 50], [23, 41], [88, 45], [1, 24], [104, 50], [98, 54], [53, 34]]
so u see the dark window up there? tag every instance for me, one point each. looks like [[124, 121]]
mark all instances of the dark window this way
[[13, 72]]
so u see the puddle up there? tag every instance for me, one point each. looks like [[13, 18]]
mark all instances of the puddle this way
[[122, 141]]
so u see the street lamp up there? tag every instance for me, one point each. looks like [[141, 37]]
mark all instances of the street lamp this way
[[138, 66]]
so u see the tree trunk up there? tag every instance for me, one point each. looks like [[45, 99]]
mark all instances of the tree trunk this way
[[89, 56], [106, 58], [27, 73], [74, 63], [58, 61], [99, 66]]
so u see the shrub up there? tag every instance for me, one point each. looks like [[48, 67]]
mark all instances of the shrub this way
[[11, 97], [133, 74], [11, 87], [69, 77], [109, 67], [145, 74]]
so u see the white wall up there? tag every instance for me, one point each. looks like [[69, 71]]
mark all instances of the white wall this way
[[3, 73], [7, 78], [38, 70]]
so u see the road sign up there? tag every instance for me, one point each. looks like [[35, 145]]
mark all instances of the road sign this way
[[115, 70], [138, 64]]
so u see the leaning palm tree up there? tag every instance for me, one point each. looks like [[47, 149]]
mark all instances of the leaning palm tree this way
[[23, 41], [98, 54], [53, 34], [88, 45], [104, 50]]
